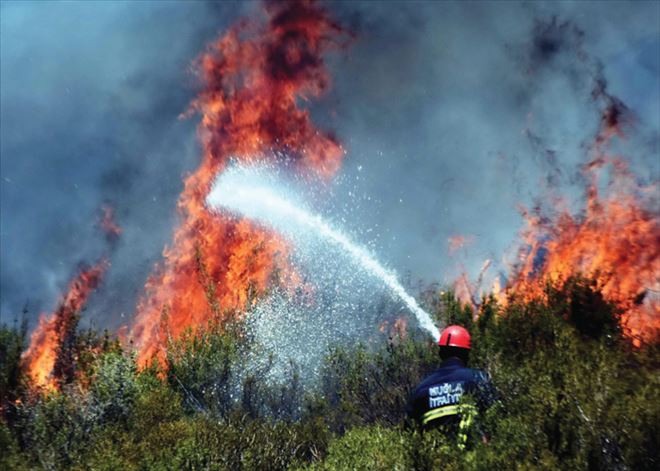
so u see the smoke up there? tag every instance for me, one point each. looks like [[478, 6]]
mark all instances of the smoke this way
[[91, 98], [455, 113], [452, 114]]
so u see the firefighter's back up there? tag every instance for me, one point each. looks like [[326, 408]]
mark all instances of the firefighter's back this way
[[438, 399]]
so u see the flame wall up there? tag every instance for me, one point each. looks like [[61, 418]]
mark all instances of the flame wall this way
[[615, 241], [255, 77]]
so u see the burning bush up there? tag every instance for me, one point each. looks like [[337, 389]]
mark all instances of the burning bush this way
[[254, 78], [50, 358]]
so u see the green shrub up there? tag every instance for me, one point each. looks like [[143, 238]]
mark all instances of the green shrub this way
[[10, 454], [573, 394], [369, 448], [12, 344], [202, 365], [364, 387]]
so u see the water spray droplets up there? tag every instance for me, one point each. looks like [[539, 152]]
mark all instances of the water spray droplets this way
[[260, 194]]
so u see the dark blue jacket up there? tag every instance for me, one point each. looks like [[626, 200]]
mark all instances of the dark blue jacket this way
[[436, 401]]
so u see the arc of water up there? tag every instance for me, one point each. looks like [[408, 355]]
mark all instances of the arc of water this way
[[257, 201]]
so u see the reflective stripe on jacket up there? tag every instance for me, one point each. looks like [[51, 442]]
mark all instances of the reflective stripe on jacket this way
[[437, 399]]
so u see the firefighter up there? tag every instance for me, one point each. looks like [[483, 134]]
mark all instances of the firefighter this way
[[437, 401]]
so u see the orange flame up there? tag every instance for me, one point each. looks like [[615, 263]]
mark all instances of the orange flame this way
[[254, 78], [46, 341], [616, 242], [108, 224], [466, 291]]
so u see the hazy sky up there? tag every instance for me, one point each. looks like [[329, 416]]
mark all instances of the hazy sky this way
[[451, 113]]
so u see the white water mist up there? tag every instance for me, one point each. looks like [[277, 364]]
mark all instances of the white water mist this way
[[255, 193]]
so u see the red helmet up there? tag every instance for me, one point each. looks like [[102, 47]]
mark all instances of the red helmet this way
[[455, 336]]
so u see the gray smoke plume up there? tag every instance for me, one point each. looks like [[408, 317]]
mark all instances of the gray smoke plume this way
[[452, 114]]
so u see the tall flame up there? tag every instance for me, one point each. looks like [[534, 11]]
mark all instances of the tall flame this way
[[43, 358], [254, 78], [615, 241]]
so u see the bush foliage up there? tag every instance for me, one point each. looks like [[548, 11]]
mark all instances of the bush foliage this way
[[572, 394]]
